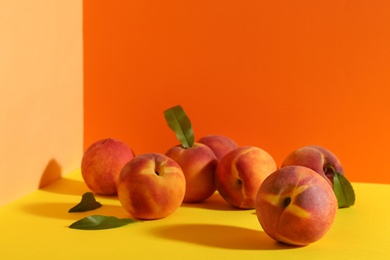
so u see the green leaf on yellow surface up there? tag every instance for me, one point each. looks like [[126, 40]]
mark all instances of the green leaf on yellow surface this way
[[88, 202], [179, 122], [97, 222], [344, 191]]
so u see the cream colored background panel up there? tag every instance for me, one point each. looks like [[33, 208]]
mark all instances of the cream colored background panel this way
[[41, 93]]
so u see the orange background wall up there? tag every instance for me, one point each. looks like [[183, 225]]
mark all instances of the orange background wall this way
[[274, 74]]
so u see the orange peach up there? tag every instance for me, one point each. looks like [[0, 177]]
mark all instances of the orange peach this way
[[198, 163], [151, 186], [220, 144], [102, 163], [317, 158], [295, 205], [240, 173]]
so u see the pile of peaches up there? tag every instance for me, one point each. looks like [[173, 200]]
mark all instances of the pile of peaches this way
[[295, 204]]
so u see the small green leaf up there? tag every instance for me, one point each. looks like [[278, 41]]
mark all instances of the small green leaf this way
[[97, 222], [344, 191], [88, 202], [179, 122]]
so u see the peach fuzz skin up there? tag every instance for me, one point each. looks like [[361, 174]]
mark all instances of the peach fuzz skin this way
[[316, 158], [198, 164], [220, 144], [101, 165], [296, 206], [240, 173], [151, 186]]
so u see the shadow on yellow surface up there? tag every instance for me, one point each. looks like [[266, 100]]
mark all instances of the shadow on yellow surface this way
[[60, 210], [215, 202], [220, 236], [73, 186], [67, 187]]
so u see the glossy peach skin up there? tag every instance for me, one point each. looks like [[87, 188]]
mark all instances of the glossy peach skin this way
[[102, 163], [295, 205], [316, 158], [198, 164], [220, 144], [151, 186], [240, 173]]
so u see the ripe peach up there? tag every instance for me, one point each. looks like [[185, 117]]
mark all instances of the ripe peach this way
[[220, 144], [198, 163], [317, 158], [151, 186], [102, 163], [295, 205], [240, 173]]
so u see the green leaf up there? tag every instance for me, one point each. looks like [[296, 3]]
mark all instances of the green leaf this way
[[344, 191], [179, 122], [88, 202], [97, 222]]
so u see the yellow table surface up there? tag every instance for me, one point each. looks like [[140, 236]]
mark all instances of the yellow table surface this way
[[36, 226]]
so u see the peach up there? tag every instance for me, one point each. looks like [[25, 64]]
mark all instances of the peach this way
[[317, 158], [240, 173], [151, 186], [102, 163], [220, 144], [198, 163], [295, 205]]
